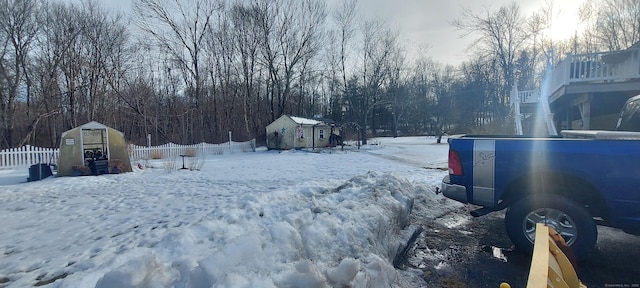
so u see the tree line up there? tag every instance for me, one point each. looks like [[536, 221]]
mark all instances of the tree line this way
[[190, 71]]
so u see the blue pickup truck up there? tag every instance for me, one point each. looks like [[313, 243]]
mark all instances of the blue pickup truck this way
[[571, 182]]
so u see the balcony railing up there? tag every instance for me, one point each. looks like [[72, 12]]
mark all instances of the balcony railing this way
[[600, 67]]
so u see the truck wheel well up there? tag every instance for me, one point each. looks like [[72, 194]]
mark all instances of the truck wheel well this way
[[568, 186]]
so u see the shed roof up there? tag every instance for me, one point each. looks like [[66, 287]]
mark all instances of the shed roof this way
[[305, 121]]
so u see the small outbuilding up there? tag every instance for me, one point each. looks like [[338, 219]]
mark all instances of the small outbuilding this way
[[290, 132], [93, 149]]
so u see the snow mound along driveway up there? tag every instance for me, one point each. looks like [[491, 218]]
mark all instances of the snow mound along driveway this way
[[314, 237], [314, 234]]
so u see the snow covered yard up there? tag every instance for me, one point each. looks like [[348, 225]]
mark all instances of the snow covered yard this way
[[257, 219]]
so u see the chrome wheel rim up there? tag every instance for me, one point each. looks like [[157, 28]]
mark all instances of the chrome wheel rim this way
[[556, 219]]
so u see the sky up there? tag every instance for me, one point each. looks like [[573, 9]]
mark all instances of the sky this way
[[428, 22], [253, 219]]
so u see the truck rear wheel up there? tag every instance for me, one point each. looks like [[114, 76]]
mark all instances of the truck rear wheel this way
[[567, 217]]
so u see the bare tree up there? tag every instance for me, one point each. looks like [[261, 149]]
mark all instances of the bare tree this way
[[103, 53], [291, 33], [79, 51], [246, 42], [501, 34], [618, 23], [588, 41], [443, 85], [541, 45], [73, 68], [378, 45], [419, 89], [220, 60], [339, 45], [345, 16], [18, 29], [59, 30], [179, 28], [477, 95], [397, 100]]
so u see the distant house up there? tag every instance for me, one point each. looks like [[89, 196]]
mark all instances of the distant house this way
[[290, 132]]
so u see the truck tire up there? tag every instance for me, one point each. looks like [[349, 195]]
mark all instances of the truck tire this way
[[565, 216]]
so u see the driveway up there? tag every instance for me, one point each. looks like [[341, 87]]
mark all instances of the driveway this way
[[458, 250]]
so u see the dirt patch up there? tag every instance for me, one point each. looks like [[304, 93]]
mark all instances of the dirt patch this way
[[457, 250]]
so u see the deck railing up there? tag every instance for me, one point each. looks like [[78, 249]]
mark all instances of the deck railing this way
[[596, 67]]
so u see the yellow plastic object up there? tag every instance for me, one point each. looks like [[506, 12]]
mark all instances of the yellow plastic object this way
[[550, 267]]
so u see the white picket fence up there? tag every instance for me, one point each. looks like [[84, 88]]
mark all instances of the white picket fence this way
[[28, 155], [172, 150]]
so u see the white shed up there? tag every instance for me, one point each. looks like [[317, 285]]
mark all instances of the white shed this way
[[290, 132]]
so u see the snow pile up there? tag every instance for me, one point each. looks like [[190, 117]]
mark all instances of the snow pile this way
[[264, 219]]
